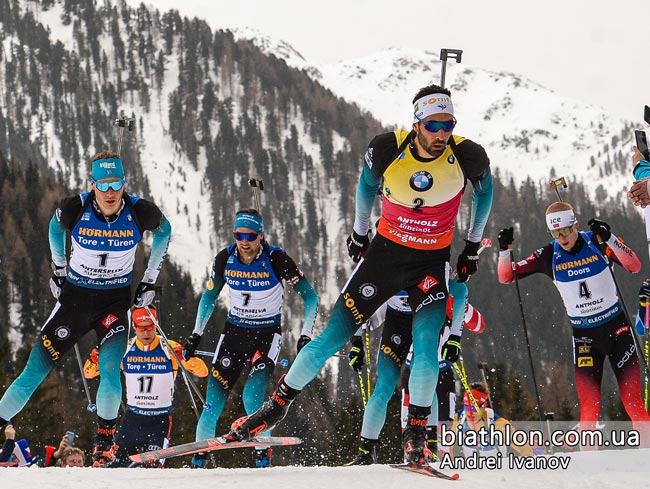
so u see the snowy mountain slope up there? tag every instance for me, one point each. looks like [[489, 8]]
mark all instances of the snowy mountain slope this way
[[180, 188], [166, 168], [528, 130]]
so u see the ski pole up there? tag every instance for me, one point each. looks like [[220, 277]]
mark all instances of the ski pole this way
[[482, 366], [647, 352], [463, 379], [92, 407], [159, 291], [523, 322], [549, 416], [366, 334], [363, 389], [184, 371]]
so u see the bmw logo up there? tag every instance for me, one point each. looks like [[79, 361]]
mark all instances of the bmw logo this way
[[421, 181]]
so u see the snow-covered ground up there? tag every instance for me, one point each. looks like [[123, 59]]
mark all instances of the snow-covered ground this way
[[602, 470]]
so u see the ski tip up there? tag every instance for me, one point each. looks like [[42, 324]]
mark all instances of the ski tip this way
[[426, 470]]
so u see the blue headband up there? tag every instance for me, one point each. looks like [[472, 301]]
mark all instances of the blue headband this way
[[107, 168], [250, 221]]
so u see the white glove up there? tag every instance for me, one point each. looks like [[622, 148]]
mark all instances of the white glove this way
[[146, 291], [57, 280]]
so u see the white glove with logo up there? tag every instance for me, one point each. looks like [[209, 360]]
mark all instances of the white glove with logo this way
[[57, 280]]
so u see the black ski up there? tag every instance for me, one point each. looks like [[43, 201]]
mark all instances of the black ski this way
[[426, 470]]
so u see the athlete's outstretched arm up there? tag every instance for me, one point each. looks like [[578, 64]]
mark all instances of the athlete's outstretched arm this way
[[624, 255], [540, 261], [209, 298], [481, 206], [161, 236], [57, 242], [309, 295], [459, 292], [365, 199]]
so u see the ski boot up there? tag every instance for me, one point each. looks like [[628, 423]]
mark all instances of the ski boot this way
[[263, 457], [104, 456], [432, 442], [414, 436], [199, 461], [367, 454], [104, 450], [265, 418]]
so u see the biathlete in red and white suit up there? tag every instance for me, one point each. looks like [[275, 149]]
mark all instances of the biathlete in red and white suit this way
[[576, 261]]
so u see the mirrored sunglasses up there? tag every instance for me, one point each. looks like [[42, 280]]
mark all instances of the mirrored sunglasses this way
[[435, 126], [245, 236], [564, 232], [104, 186]]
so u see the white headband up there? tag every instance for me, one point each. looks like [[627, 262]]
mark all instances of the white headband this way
[[560, 219], [436, 103]]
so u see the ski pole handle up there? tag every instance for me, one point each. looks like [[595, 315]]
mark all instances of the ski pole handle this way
[[485, 243]]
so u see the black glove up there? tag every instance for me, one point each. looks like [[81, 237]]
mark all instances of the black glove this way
[[644, 293], [356, 354], [467, 261], [57, 280], [600, 228], [302, 341], [357, 246], [451, 349], [506, 238], [191, 345]]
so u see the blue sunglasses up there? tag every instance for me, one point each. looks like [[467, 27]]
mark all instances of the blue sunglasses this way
[[104, 186], [435, 126], [245, 236]]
